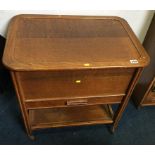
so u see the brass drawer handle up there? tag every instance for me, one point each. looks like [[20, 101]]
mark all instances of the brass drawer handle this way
[[77, 102], [77, 81]]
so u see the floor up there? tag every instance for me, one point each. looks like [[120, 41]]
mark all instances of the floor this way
[[135, 127]]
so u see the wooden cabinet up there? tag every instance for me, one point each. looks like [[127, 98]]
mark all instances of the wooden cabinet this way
[[69, 70], [144, 93]]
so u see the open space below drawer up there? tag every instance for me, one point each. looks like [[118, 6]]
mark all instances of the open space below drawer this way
[[71, 116]]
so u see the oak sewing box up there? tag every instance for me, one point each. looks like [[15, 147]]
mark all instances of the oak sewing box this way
[[69, 70]]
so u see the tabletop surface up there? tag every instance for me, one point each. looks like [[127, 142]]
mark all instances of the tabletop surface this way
[[45, 42]]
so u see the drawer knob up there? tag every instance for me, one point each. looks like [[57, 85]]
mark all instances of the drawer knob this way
[[78, 81], [86, 64]]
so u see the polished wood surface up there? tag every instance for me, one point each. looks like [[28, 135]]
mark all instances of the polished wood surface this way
[[143, 94], [69, 70], [64, 42]]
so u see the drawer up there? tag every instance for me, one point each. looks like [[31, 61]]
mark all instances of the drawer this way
[[73, 102], [70, 84]]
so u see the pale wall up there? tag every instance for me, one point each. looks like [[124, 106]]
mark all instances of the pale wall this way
[[138, 20]]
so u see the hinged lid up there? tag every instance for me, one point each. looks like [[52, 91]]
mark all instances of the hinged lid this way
[[43, 42]]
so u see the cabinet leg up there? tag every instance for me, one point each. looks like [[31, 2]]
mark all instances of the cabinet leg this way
[[32, 137], [111, 129], [22, 107], [121, 108]]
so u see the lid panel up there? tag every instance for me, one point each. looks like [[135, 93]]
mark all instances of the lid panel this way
[[89, 50], [37, 42], [69, 28]]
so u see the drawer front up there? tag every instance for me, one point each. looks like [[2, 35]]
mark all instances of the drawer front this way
[[73, 102], [70, 84]]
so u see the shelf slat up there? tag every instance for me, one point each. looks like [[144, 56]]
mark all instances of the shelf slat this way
[[71, 116], [150, 99]]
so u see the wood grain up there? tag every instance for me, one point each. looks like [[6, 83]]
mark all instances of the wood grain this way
[[62, 42], [68, 70], [62, 84]]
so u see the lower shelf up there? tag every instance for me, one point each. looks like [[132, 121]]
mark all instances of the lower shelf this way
[[150, 99], [70, 116]]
